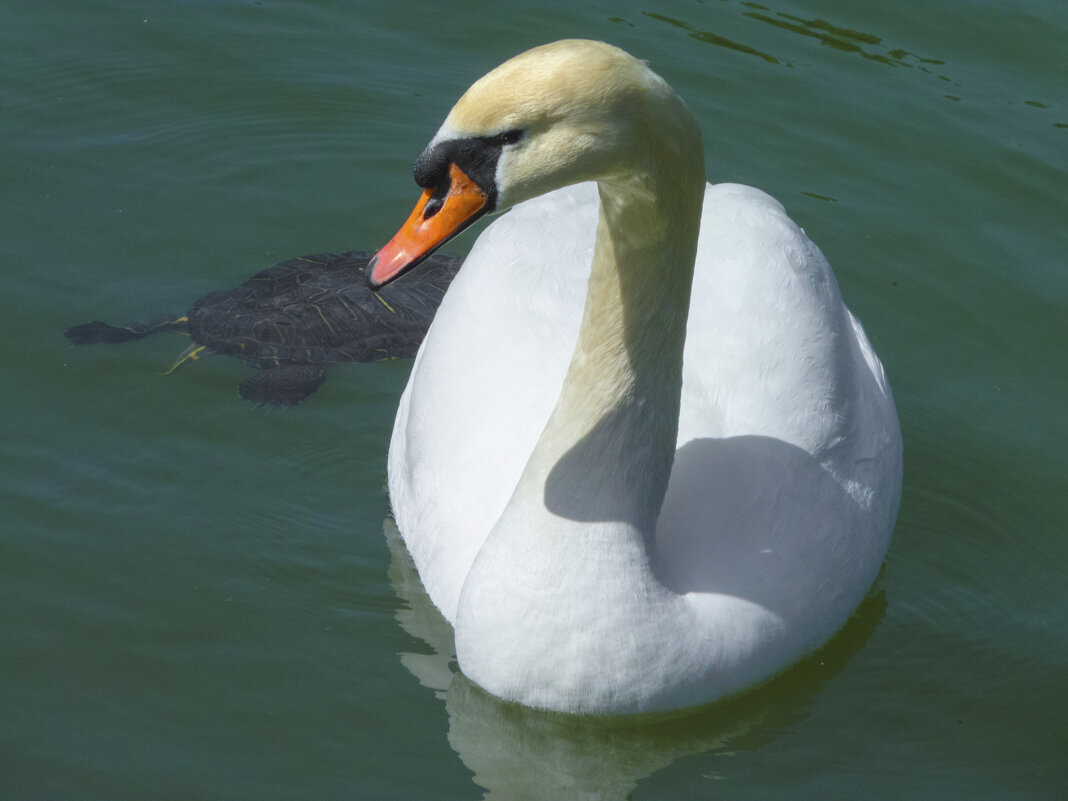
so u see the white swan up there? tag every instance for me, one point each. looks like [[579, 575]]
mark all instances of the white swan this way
[[622, 507]]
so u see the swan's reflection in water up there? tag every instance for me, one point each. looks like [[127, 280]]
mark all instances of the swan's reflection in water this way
[[522, 754]]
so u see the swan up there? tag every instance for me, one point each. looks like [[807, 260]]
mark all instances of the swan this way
[[646, 457]]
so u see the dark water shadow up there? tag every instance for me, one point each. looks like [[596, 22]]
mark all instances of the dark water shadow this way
[[828, 34]]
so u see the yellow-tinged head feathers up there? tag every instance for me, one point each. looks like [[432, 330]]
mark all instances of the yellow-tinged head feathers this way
[[547, 83]]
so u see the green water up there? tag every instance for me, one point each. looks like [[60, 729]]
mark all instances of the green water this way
[[199, 598]]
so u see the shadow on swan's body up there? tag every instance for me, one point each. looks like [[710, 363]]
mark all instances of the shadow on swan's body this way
[[646, 457]]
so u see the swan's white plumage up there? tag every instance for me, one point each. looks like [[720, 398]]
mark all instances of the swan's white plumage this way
[[781, 499]]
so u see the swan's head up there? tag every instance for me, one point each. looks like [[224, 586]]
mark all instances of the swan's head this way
[[556, 115]]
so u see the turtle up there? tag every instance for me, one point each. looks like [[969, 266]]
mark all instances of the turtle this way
[[296, 318]]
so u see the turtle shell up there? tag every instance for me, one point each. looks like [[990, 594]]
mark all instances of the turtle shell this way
[[319, 309]]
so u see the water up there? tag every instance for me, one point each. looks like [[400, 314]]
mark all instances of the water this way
[[204, 600]]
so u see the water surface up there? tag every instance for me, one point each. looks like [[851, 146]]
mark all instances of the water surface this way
[[204, 600]]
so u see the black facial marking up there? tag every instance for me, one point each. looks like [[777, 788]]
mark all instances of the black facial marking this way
[[477, 156]]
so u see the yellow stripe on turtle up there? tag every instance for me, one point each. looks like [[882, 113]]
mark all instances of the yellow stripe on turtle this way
[[191, 354], [383, 302], [326, 322]]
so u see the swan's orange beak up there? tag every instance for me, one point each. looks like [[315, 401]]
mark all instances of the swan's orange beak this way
[[433, 221]]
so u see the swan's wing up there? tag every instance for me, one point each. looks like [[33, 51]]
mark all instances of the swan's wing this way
[[485, 380]]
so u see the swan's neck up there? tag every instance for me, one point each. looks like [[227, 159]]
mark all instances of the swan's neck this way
[[606, 453], [565, 583]]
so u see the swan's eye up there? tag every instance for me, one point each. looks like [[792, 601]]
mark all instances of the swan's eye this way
[[509, 137]]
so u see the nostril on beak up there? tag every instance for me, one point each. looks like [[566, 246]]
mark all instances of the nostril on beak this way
[[441, 192], [432, 207]]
